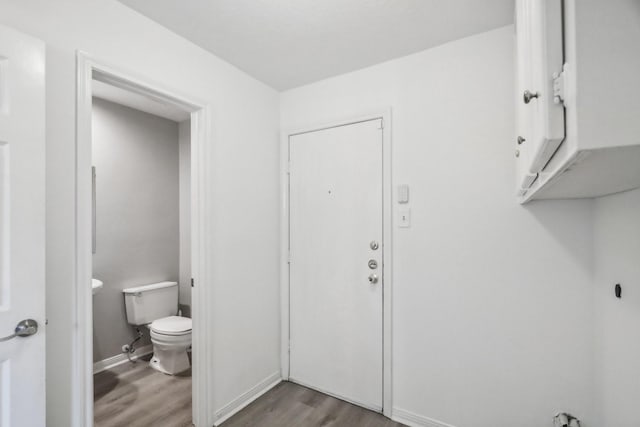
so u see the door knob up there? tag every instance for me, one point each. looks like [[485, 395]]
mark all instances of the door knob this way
[[25, 328], [373, 278], [528, 96], [373, 264]]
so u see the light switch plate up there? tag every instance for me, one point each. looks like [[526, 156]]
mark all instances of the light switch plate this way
[[403, 194], [404, 218]]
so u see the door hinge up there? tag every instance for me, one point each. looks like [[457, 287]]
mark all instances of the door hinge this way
[[381, 124], [559, 86], [192, 282]]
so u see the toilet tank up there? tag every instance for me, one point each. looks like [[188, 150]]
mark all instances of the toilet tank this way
[[147, 303]]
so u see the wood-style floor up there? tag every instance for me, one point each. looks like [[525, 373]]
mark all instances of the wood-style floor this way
[[291, 405], [135, 395]]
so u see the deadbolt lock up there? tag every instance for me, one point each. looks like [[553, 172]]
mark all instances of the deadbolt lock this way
[[373, 264], [373, 245]]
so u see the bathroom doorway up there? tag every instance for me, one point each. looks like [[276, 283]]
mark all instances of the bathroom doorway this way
[[138, 203], [141, 259]]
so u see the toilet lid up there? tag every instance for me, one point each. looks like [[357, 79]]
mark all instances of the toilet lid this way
[[172, 325]]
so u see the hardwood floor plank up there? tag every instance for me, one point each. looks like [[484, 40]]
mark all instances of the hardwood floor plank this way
[[289, 404], [135, 395], [138, 396]]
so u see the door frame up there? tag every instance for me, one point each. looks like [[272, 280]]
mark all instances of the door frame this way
[[387, 221], [89, 68]]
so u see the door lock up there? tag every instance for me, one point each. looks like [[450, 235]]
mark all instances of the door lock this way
[[373, 245], [373, 278], [373, 264]]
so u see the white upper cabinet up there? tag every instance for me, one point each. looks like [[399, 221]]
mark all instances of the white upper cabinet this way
[[577, 98]]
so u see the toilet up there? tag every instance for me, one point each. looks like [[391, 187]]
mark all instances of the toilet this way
[[155, 306]]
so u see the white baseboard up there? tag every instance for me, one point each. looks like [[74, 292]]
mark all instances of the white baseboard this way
[[119, 359], [240, 402], [414, 420]]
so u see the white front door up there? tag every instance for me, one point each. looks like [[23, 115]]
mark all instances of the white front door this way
[[22, 235], [335, 234]]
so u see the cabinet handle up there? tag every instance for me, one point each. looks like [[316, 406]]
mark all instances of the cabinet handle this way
[[521, 140], [528, 96]]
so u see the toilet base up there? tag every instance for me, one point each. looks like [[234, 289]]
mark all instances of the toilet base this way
[[170, 362]]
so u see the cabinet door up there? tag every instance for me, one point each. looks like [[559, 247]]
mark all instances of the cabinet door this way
[[540, 56], [524, 117]]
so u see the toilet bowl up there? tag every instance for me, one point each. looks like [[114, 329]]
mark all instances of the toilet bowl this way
[[154, 306], [171, 338]]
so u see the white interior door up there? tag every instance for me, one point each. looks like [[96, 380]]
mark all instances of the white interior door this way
[[22, 221], [335, 216]]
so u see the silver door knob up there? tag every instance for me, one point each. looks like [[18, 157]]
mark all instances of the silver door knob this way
[[373, 245], [373, 264], [528, 96], [373, 278], [25, 328]]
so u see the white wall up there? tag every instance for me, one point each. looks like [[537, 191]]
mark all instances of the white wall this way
[[617, 250], [492, 301], [184, 136], [137, 217], [245, 176]]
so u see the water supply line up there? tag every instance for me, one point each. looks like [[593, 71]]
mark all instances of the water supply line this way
[[130, 349]]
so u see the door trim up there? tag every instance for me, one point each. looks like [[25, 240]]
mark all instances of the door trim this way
[[89, 68], [387, 221]]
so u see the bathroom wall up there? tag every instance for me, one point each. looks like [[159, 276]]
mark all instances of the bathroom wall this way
[[617, 256], [244, 175], [184, 160], [492, 301], [137, 214]]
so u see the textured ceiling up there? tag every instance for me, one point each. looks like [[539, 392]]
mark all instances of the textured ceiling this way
[[289, 43]]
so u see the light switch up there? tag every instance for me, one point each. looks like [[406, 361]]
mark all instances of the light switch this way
[[404, 218], [403, 194]]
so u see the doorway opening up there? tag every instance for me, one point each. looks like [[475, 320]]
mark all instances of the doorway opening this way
[[141, 193], [141, 269]]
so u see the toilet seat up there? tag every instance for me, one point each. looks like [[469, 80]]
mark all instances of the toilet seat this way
[[171, 326], [171, 338]]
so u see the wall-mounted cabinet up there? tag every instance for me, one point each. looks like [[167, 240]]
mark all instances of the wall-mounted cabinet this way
[[577, 98]]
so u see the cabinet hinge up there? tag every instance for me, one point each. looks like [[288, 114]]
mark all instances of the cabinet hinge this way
[[559, 86], [192, 282]]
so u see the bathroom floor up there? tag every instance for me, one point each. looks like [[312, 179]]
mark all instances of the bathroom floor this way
[[135, 395], [289, 404]]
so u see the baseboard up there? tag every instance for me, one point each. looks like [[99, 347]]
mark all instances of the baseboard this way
[[119, 359], [414, 420], [240, 402]]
